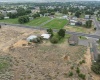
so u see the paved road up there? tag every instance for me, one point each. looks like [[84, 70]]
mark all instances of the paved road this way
[[67, 32], [96, 23], [93, 41]]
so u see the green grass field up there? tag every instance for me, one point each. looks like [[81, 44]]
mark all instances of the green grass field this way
[[12, 21], [37, 21], [56, 23]]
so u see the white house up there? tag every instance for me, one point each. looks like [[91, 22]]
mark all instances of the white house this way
[[12, 11], [31, 38], [46, 36], [6, 17], [65, 17], [73, 22], [87, 16]]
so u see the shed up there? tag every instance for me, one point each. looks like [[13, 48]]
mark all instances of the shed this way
[[31, 38], [46, 36], [73, 40]]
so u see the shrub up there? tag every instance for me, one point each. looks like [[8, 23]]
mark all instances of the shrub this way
[[82, 76], [54, 39], [96, 68], [81, 62], [77, 70], [70, 74], [72, 67]]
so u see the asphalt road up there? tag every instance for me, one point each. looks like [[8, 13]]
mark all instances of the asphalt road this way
[[67, 32]]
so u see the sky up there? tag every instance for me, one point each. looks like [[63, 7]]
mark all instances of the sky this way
[[43, 0]]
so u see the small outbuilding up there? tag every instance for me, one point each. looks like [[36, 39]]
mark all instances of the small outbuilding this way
[[73, 40], [31, 38], [46, 36]]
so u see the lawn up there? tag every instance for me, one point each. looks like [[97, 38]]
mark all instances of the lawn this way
[[56, 24], [35, 22], [12, 21], [38, 21]]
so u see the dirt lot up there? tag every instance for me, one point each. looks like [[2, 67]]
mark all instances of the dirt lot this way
[[43, 61]]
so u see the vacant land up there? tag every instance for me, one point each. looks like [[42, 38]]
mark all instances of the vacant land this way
[[79, 29], [56, 24], [43, 61]]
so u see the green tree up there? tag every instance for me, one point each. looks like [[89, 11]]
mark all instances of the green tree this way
[[61, 32], [77, 14], [88, 24], [50, 31], [12, 15], [21, 11], [23, 19], [1, 17]]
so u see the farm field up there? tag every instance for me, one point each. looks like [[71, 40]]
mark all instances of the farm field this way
[[79, 29], [39, 61], [56, 24]]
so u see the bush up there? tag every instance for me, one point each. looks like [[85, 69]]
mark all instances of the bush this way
[[72, 67], [54, 39], [82, 76], [77, 70], [96, 68], [81, 62], [70, 74]]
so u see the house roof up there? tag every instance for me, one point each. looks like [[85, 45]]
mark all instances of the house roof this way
[[31, 37], [46, 36], [73, 39]]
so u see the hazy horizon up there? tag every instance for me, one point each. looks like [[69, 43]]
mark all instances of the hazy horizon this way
[[44, 0]]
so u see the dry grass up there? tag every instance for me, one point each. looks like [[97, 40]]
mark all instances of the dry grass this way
[[44, 61]]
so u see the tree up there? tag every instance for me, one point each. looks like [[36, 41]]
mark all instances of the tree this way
[[1, 17], [88, 24], [21, 11], [77, 14], [28, 11], [0, 26], [12, 15], [23, 19], [50, 31], [61, 32], [36, 15]]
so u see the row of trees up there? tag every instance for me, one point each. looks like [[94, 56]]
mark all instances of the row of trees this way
[[55, 38]]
